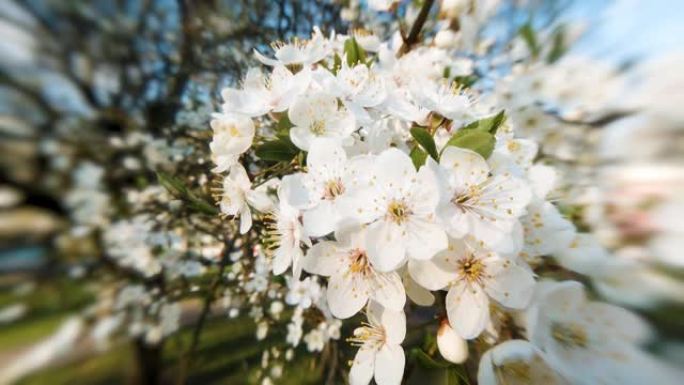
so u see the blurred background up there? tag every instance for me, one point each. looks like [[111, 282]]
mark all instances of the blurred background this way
[[104, 107]]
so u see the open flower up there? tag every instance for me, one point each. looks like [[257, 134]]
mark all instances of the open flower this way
[[285, 233], [318, 115], [329, 179], [233, 135], [448, 100], [353, 278], [298, 51], [472, 276], [517, 362], [400, 204], [474, 202], [238, 196], [380, 354], [260, 95], [591, 342]]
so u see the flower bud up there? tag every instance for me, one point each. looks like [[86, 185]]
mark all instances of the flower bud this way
[[451, 346]]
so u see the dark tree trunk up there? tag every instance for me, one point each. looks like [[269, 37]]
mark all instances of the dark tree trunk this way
[[149, 363]]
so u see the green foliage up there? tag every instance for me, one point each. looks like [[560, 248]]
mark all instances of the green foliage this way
[[425, 140], [176, 188], [418, 157], [478, 136], [279, 150], [528, 34], [490, 124], [354, 52], [559, 46]]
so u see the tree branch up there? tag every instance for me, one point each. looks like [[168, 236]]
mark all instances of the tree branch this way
[[413, 35]]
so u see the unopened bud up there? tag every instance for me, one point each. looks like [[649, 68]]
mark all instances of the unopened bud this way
[[451, 346]]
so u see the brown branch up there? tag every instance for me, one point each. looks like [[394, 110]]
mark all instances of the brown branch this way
[[413, 35]]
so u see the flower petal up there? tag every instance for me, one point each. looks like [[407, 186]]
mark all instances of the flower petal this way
[[363, 366], [386, 249], [510, 284], [347, 294], [387, 289], [324, 258], [468, 309], [389, 365]]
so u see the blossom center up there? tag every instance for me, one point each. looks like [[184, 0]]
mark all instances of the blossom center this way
[[359, 262], [368, 334], [517, 371], [569, 335], [398, 211], [317, 127], [471, 269], [333, 188], [468, 197]]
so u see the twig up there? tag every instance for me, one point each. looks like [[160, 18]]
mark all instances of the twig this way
[[206, 308], [413, 35]]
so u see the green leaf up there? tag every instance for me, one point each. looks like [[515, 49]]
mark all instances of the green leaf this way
[[172, 184], [530, 37], [428, 362], [418, 157], [425, 140], [180, 191], [277, 150], [466, 81], [337, 64], [481, 142], [558, 48], [490, 124], [284, 125], [355, 54]]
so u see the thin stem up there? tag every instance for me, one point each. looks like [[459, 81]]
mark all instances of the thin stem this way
[[413, 35]]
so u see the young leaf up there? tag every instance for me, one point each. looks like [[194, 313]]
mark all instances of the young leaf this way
[[418, 157], [558, 48], [355, 54], [172, 184], [530, 37], [284, 125], [490, 124], [277, 150], [428, 362], [481, 142], [425, 140]]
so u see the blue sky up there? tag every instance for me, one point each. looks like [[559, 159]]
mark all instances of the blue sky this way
[[626, 29]]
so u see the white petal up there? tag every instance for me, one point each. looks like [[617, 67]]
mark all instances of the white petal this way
[[394, 169], [389, 365], [293, 192], [320, 220], [424, 239], [362, 369], [264, 59], [281, 260], [510, 284], [245, 220], [259, 200], [467, 167], [301, 137], [435, 274], [387, 290], [386, 249], [394, 323], [419, 295], [324, 258], [468, 309], [325, 154], [347, 294]]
